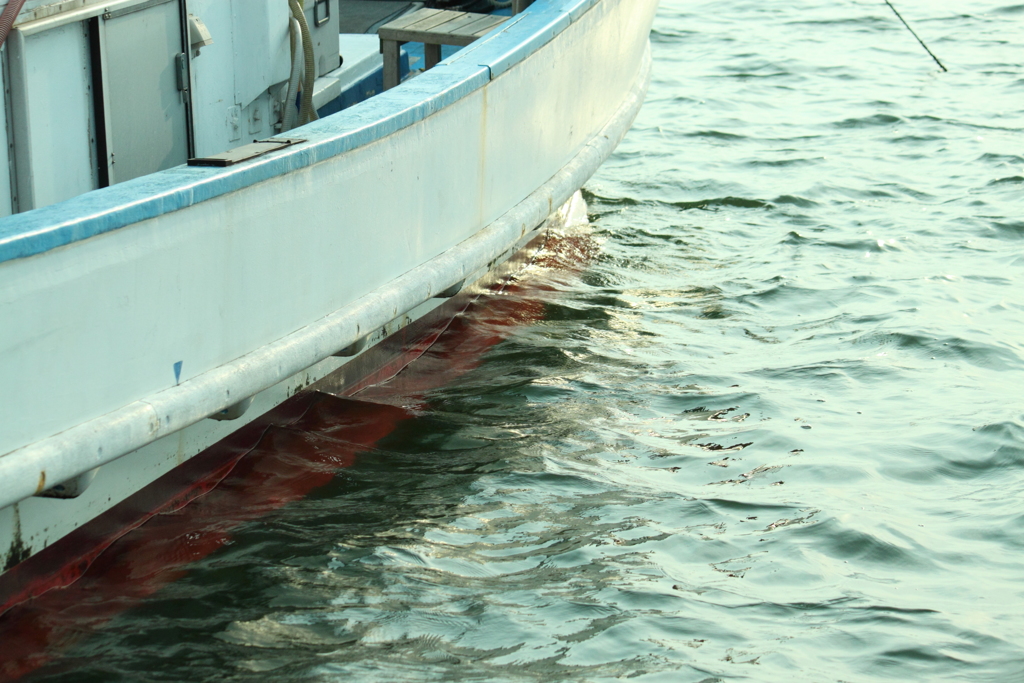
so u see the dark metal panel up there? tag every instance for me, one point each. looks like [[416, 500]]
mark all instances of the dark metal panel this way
[[245, 152]]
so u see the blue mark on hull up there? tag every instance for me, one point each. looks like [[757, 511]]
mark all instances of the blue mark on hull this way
[[177, 372]]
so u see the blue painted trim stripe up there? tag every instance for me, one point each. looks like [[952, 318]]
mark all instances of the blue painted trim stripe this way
[[94, 213], [534, 29]]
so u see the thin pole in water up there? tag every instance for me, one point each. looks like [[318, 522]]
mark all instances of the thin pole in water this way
[[900, 17]]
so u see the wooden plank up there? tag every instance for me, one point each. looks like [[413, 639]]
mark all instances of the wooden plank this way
[[427, 37], [416, 31], [433, 28], [464, 34], [455, 24], [244, 153], [442, 24], [412, 18], [481, 26], [432, 22], [493, 21]]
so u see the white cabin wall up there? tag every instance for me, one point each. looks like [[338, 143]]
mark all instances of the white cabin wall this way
[[213, 81], [52, 188], [231, 77], [261, 46], [53, 120]]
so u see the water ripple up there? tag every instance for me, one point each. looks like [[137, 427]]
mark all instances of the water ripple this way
[[760, 422]]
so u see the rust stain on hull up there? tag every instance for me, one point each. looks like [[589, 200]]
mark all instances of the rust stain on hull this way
[[18, 551]]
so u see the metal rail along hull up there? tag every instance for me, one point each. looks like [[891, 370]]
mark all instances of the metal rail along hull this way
[[129, 316]]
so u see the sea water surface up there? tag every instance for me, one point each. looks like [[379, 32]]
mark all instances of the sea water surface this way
[[762, 420]]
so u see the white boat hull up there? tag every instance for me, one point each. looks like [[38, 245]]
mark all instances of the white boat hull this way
[[116, 348]]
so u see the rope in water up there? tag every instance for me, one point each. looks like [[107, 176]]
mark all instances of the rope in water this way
[[900, 17]]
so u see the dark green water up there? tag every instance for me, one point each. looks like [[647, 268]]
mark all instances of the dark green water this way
[[772, 431]]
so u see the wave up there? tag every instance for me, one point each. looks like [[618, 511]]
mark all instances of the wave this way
[[717, 202]]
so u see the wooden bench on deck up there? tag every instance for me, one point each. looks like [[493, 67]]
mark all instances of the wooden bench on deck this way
[[433, 28]]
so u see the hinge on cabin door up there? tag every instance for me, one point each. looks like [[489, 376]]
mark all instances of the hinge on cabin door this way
[[181, 61]]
